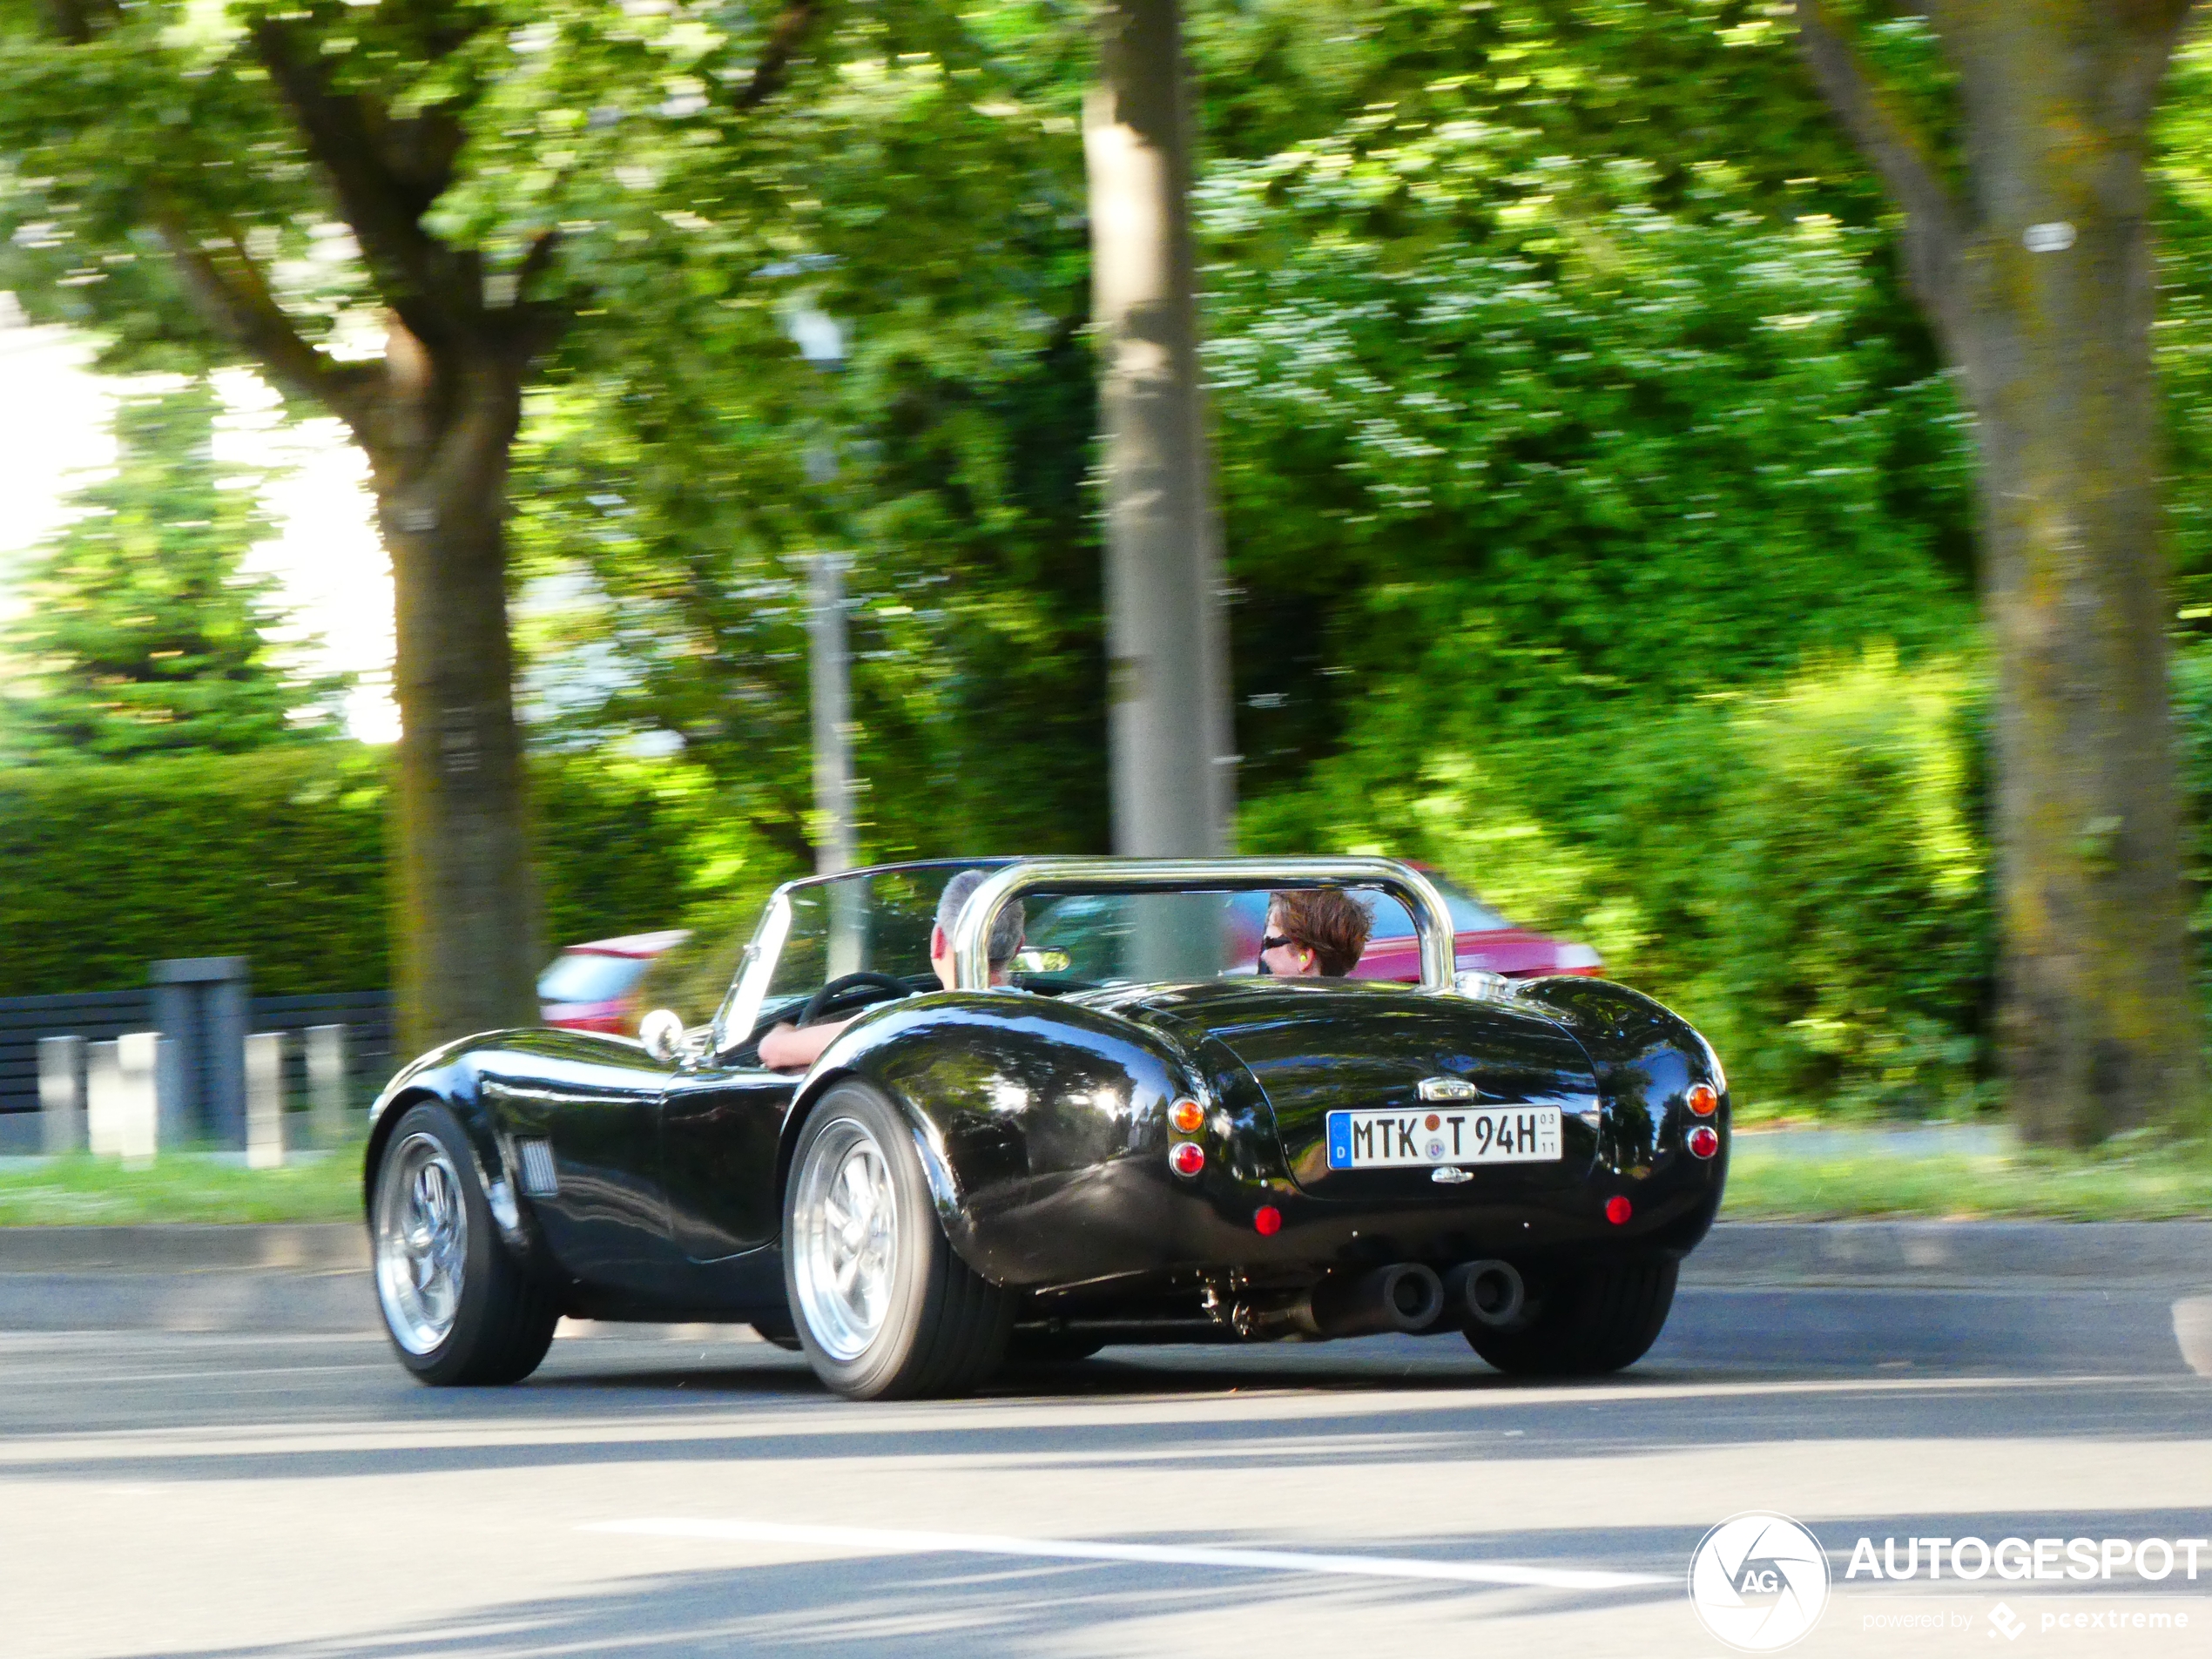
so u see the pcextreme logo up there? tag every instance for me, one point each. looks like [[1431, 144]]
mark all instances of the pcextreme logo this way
[[1759, 1581]]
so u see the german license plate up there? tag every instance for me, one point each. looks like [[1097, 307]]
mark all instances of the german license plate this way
[[1463, 1135]]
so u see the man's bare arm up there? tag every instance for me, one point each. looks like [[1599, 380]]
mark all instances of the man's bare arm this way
[[794, 1047]]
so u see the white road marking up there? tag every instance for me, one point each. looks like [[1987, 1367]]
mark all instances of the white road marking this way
[[882, 1541]]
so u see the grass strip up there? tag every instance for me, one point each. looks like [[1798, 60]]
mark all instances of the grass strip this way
[[96, 1192], [2160, 1183]]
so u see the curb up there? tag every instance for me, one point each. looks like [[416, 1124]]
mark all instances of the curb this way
[[1977, 1255], [187, 1247]]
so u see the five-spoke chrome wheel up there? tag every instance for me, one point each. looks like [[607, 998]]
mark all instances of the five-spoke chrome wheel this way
[[845, 1248], [422, 1238]]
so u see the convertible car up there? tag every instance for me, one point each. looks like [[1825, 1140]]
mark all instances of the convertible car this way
[[1121, 1134]]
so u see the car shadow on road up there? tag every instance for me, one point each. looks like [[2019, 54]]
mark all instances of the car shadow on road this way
[[954, 1605]]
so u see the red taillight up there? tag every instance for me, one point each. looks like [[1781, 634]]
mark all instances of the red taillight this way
[[1704, 1140], [1186, 1158], [1618, 1209], [1703, 1099], [1186, 1115], [1267, 1221]]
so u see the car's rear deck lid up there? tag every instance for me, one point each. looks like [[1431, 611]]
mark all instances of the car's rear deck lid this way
[[1411, 1083]]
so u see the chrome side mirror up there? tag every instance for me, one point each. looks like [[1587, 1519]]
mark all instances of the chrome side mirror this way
[[661, 1031]]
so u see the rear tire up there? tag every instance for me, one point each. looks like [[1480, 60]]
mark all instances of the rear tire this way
[[884, 1307], [1593, 1319], [460, 1311]]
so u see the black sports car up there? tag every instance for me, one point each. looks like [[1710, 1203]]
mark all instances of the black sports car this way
[[1119, 1135]]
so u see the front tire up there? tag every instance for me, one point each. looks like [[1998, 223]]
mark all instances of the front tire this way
[[1593, 1319], [884, 1307], [460, 1312]]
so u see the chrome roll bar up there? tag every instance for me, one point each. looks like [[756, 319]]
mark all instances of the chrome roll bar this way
[[1431, 919]]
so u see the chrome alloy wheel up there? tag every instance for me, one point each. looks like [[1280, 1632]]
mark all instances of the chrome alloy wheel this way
[[421, 1242], [845, 1244]]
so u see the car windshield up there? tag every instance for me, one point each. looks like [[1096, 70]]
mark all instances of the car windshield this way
[[875, 921], [590, 976]]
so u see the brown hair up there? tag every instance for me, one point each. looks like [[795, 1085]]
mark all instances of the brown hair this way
[[1328, 922]]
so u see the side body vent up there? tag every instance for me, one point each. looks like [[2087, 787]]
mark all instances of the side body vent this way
[[540, 1179]]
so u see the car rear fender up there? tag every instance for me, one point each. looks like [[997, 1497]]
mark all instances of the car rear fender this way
[[1029, 1117], [1646, 1057]]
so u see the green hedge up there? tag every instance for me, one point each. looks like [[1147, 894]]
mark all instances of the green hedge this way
[[281, 856]]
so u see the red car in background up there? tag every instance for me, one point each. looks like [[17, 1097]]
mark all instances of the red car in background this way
[[1481, 938], [594, 987]]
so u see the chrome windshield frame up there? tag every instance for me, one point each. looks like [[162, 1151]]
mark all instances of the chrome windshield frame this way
[[1432, 917], [740, 1010]]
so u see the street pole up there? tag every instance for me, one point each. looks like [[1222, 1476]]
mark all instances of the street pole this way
[[829, 693], [1167, 718], [820, 340]]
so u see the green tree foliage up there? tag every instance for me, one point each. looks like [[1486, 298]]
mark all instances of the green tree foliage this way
[[141, 631], [687, 461]]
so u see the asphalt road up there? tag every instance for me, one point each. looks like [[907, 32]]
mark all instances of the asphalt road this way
[[301, 1496]]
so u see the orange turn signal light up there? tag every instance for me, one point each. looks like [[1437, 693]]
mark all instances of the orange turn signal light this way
[[1704, 1099], [1187, 1116]]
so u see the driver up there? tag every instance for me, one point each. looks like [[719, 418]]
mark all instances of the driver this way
[[792, 1047]]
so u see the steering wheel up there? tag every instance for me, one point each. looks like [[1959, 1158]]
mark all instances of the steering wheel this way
[[836, 997]]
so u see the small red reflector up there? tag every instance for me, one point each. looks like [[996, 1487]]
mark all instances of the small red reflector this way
[[1617, 1211], [1704, 1140], [1703, 1100], [1267, 1221], [1187, 1115], [1186, 1158]]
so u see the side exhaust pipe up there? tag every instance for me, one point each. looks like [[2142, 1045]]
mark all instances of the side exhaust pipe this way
[[1488, 1292], [1405, 1296]]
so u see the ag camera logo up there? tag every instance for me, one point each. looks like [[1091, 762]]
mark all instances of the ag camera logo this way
[[1759, 1581]]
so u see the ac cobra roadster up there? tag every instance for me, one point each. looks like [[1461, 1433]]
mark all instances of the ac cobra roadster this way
[[1123, 1136]]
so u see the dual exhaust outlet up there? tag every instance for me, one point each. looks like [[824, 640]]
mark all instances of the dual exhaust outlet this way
[[1404, 1297]]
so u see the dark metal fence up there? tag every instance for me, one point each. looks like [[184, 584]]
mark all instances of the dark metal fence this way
[[98, 1017]]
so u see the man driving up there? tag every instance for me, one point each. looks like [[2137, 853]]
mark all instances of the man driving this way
[[794, 1047]]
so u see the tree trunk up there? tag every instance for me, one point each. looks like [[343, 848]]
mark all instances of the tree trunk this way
[[470, 940], [1168, 717], [2041, 282], [2098, 1016]]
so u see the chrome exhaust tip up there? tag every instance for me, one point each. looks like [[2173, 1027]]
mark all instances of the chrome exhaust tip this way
[[1488, 1292]]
